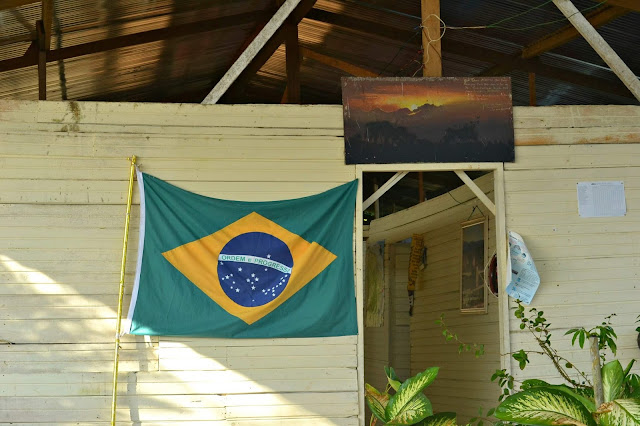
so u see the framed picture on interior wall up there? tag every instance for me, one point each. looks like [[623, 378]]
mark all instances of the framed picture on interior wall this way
[[473, 293]]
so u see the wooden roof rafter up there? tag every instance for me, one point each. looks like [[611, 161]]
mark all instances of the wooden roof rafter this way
[[260, 49], [597, 18]]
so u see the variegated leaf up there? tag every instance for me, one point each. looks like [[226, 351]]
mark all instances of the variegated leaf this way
[[440, 419], [587, 402], [413, 412], [612, 379], [621, 412], [376, 401], [408, 391], [543, 406]]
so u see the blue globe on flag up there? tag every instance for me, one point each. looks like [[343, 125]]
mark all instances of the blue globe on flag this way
[[254, 268]]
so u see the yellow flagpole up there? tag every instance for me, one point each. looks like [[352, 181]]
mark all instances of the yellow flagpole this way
[[121, 295]]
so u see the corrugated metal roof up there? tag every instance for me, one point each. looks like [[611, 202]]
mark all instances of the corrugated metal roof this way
[[185, 68]]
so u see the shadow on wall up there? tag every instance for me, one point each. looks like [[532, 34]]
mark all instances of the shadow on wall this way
[[59, 271]]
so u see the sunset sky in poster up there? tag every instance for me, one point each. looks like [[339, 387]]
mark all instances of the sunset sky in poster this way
[[394, 96]]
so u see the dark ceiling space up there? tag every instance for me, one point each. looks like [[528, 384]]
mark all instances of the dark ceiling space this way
[[177, 50]]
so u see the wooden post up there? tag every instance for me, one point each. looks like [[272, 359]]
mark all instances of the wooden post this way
[[42, 61], [431, 54], [293, 62], [431, 46], [532, 89], [596, 370], [603, 49], [376, 204]]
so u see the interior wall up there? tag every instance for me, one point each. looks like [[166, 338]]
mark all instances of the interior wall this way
[[63, 188], [389, 344], [463, 384]]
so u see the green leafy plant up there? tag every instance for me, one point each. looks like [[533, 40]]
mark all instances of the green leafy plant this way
[[573, 403], [477, 349], [407, 405]]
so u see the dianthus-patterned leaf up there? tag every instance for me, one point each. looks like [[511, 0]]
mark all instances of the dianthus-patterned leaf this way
[[543, 406]]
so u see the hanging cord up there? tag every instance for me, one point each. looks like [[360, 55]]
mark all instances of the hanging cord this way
[[61, 70], [425, 31]]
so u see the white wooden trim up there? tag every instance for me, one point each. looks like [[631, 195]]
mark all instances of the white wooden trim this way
[[476, 190], [426, 167], [384, 188], [360, 298], [251, 51], [501, 251], [599, 44]]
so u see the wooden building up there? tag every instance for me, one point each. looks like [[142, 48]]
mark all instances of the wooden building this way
[[64, 175], [64, 178]]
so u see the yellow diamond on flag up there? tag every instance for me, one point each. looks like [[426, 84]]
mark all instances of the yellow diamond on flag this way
[[251, 266]]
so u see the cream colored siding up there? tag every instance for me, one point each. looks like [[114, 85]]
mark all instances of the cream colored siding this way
[[589, 267], [63, 184], [399, 347]]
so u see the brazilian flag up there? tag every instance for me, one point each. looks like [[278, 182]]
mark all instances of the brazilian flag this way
[[219, 268]]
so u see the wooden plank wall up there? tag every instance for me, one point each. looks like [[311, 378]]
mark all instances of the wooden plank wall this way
[[63, 184], [589, 267], [463, 383], [400, 341]]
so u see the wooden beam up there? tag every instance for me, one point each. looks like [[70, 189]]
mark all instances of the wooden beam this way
[[47, 20], [627, 4], [292, 55], [252, 50], [237, 89], [337, 63], [603, 49], [532, 89], [134, 39], [384, 188], [10, 4], [420, 187], [558, 38], [534, 65], [477, 191], [431, 45], [42, 61], [567, 33]]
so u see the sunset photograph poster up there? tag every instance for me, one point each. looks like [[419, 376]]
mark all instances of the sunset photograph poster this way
[[427, 120]]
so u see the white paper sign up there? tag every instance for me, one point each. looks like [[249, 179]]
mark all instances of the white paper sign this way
[[524, 280], [601, 199]]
